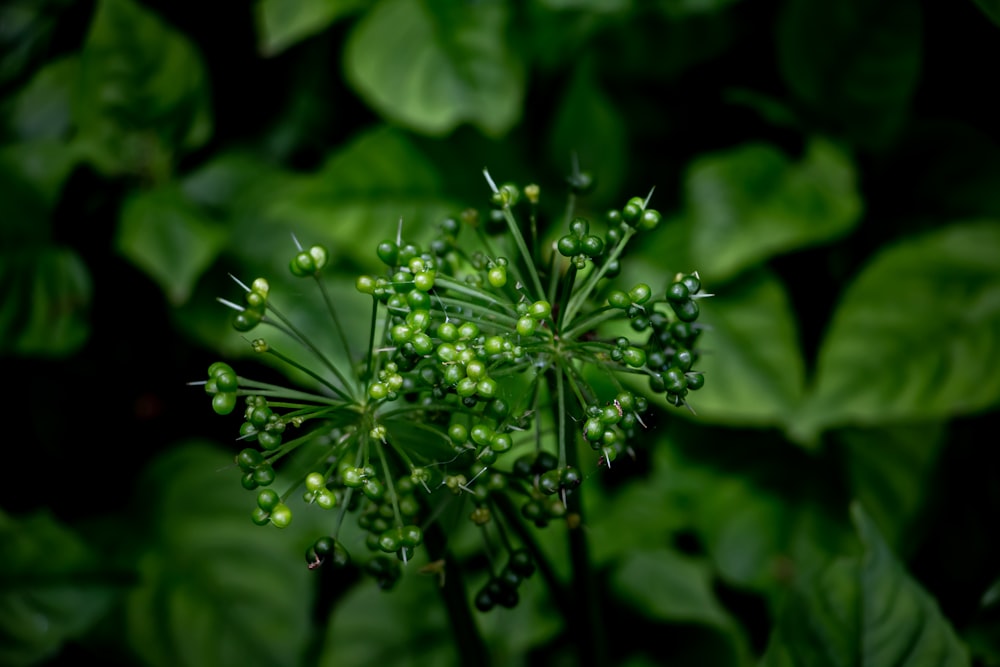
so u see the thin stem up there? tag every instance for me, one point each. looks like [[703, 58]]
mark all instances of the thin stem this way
[[336, 320], [585, 617], [371, 339], [591, 321], [561, 415], [522, 247], [301, 338], [277, 391], [471, 647], [581, 295], [311, 373], [513, 519]]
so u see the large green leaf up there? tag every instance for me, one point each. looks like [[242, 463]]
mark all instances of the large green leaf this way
[[672, 587], [590, 128], [169, 238], [864, 610], [26, 30], [757, 506], [357, 198], [408, 626], [915, 335], [47, 295], [854, 63], [282, 23], [143, 92], [449, 63], [891, 470], [51, 588], [216, 589], [750, 203], [42, 109], [403, 627], [754, 372]]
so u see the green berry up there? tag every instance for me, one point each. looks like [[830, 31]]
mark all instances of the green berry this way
[[388, 252], [281, 515], [568, 246], [223, 403]]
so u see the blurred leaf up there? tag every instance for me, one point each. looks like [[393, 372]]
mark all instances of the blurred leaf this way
[[891, 471], [42, 165], [681, 8], [636, 518], [282, 23], [143, 94], [47, 294], [754, 372], [353, 201], [991, 8], [42, 109], [855, 63], [50, 589], [596, 6], [758, 507], [864, 610], [748, 204], [914, 337], [668, 586], [406, 627], [356, 198], [448, 63], [590, 127], [216, 589], [26, 28], [169, 238], [32, 174]]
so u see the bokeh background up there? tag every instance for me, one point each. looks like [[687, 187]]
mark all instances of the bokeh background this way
[[832, 170]]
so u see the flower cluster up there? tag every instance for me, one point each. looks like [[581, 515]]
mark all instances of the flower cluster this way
[[492, 360]]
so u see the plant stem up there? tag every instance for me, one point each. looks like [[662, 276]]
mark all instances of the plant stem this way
[[471, 647], [585, 620]]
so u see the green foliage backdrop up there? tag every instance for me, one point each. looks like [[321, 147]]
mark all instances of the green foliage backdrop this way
[[832, 170]]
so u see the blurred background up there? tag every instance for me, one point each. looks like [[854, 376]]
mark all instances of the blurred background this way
[[832, 171]]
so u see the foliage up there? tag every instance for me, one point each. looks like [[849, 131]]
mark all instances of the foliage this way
[[831, 499]]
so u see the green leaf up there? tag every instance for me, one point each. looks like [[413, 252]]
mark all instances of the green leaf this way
[[357, 198], [914, 337], [434, 65], [589, 127], [216, 589], [891, 470], [282, 23], [754, 372], [669, 586], [854, 63], [45, 311], [748, 204], [42, 109], [991, 8], [403, 627], [169, 238], [143, 94], [683, 8], [26, 32], [51, 588], [864, 610]]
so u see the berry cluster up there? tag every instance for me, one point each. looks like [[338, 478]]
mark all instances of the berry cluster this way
[[486, 377]]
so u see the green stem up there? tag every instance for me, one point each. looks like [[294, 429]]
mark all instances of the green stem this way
[[513, 519], [471, 647], [292, 330], [585, 617], [581, 295], [336, 320]]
